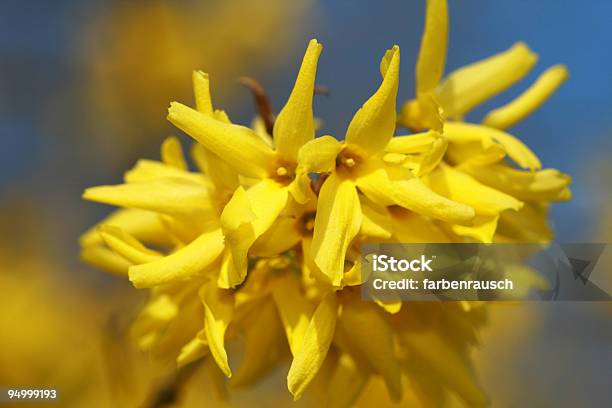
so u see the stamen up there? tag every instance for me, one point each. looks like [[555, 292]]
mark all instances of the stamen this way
[[349, 162], [281, 171], [309, 225]]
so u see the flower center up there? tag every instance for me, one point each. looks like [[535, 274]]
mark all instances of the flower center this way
[[306, 223]]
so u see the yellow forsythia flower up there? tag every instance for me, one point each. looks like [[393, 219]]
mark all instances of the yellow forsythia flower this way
[[263, 240]]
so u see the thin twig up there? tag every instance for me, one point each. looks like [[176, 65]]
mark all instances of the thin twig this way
[[262, 102]]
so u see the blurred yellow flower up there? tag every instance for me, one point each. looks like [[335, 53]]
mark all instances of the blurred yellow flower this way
[[136, 54]]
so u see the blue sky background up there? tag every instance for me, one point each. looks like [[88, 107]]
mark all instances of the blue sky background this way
[[39, 39], [48, 167]]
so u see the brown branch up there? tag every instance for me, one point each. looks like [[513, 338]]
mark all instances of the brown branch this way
[[322, 90], [262, 102]]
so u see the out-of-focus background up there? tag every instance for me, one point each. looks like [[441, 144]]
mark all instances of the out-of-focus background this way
[[84, 88]]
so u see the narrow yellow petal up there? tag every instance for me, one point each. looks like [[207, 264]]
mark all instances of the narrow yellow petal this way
[[389, 306], [172, 196], [145, 226], [261, 345], [237, 145], [432, 157], [218, 314], [196, 349], [410, 144], [374, 123], [530, 224], [105, 259], [424, 112], [376, 221], [482, 229], [294, 309], [127, 246], [461, 187], [280, 237], [201, 90], [247, 216], [347, 382], [516, 150], [467, 147], [172, 153], [446, 362], [314, 347], [432, 55], [222, 176], [319, 155], [469, 86], [294, 125], [543, 185], [530, 100], [337, 222], [371, 337], [183, 264], [413, 195], [409, 227], [150, 170]]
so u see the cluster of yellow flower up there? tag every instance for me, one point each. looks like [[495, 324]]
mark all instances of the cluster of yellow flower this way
[[264, 240]]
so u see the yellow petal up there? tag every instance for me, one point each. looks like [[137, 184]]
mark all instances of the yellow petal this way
[[201, 90], [127, 246], [150, 170], [347, 382], [515, 149], [172, 153], [413, 195], [319, 155], [261, 345], [222, 176], [218, 313], [294, 309], [469, 86], [237, 145], [432, 55], [196, 349], [416, 143], [422, 113], [181, 265], [530, 100], [314, 347], [374, 123], [471, 147], [294, 125], [389, 306], [300, 188], [371, 337], [145, 226], [543, 185], [247, 216], [446, 362], [337, 222], [172, 196], [529, 225], [280, 237], [409, 227], [483, 228], [376, 221], [105, 259], [461, 187], [432, 158]]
